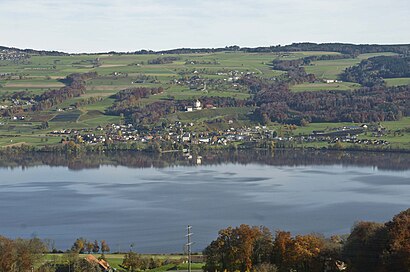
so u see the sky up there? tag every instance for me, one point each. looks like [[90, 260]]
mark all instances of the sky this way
[[130, 25]]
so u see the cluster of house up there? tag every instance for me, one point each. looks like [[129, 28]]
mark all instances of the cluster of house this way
[[70, 131], [341, 131], [12, 55], [18, 118], [19, 103], [345, 134], [196, 81], [355, 140], [234, 75], [64, 109], [197, 105], [182, 133], [329, 81], [3, 75]]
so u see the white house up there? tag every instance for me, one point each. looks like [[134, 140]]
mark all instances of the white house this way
[[186, 137], [198, 105]]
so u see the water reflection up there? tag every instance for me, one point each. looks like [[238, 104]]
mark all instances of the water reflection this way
[[122, 198], [380, 160]]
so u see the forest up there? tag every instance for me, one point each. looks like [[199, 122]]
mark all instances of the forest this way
[[344, 48], [163, 60], [370, 246], [128, 101], [275, 102], [375, 104], [372, 71]]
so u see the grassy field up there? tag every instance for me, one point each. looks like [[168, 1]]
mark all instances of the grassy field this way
[[338, 86], [209, 114], [397, 81], [115, 260], [331, 69]]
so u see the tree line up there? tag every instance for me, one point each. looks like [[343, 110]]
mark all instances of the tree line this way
[[127, 101], [369, 247], [344, 48], [372, 71], [163, 60], [76, 86], [296, 74]]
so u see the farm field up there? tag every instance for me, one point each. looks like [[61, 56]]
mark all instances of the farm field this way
[[115, 260], [330, 69], [397, 81], [338, 86]]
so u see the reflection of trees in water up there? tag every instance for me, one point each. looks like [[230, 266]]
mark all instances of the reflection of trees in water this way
[[386, 161]]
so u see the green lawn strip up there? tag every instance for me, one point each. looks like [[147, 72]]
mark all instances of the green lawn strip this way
[[397, 81], [194, 266], [115, 260], [319, 86], [166, 267], [209, 114], [330, 69], [371, 55]]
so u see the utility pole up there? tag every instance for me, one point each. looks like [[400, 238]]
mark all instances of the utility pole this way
[[189, 248]]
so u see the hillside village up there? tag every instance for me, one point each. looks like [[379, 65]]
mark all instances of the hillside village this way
[[182, 136]]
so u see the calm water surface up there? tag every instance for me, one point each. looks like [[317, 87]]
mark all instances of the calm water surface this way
[[152, 206]]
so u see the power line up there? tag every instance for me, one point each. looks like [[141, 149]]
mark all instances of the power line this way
[[189, 246]]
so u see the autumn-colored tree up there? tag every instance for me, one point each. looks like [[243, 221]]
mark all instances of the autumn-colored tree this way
[[244, 238], [79, 245], [89, 246], [263, 247], [104, 247], [265, 267], [214, 257], [8, 254], [20, 254], [364, 247], [305, 253], [281, 248], [398, 249], [236, 249], [96, 247], [132, 261]]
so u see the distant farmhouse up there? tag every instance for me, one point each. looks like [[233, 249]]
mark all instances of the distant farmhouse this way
[[196, 106], [328, 81], [104, 266]]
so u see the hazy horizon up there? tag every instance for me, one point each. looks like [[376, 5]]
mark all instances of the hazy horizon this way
[[124, 25]]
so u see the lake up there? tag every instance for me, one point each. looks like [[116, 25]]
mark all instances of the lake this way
[[149, 199]]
